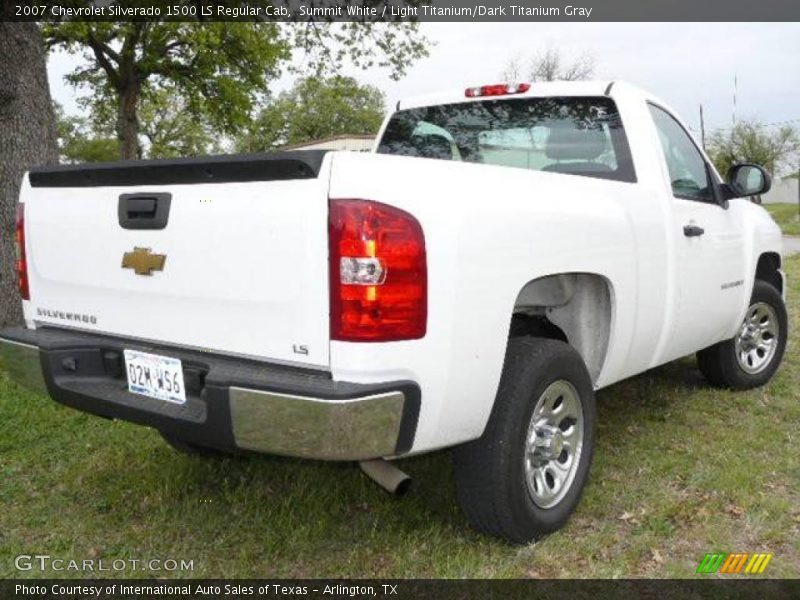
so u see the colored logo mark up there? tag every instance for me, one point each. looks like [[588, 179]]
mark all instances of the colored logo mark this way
[[735, 563]]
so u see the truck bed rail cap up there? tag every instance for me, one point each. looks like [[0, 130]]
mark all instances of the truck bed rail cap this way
[[298, 164]]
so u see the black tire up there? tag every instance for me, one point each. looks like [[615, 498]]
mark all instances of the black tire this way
[[191, 449], [490, 472], [719, 363]]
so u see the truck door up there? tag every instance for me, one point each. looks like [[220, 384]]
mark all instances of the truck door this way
[[708, 249]]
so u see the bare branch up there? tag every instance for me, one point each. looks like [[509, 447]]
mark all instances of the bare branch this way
[[549, 65], [513, 70]]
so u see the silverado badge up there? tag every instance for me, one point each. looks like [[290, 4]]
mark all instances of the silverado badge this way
[[142, 262]]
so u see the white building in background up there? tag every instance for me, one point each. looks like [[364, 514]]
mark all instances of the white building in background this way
[[783, 191], [357, 143]]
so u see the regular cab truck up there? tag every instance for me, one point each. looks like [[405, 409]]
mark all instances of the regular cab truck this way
[[503, 253]]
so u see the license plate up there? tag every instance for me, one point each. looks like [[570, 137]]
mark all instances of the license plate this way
[[155, 376]]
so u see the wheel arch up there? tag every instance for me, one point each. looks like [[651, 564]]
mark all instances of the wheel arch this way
[[768, 268], [574, 307]]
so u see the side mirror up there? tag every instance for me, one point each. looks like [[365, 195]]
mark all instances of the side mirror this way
[[747, 180]]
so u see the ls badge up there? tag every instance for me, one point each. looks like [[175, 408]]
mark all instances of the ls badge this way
[[142, 262]]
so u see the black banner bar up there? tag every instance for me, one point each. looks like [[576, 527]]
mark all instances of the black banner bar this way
[[580, 11], [396, 589]]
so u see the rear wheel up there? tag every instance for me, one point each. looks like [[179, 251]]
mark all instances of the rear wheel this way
[[524, 476], [750, 358]]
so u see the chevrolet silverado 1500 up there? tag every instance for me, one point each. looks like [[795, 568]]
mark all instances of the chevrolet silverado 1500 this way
[[503, 253]]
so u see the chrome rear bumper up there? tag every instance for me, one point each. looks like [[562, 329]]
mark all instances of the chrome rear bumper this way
[[233, 404], [22, 363], [353, 429]]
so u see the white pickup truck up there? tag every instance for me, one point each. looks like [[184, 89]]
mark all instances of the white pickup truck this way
[[503, 253]]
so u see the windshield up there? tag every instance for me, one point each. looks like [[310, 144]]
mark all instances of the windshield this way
[[579, 136]]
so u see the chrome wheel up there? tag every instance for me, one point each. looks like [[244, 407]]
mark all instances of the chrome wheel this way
[[553, 445], [757, 340]]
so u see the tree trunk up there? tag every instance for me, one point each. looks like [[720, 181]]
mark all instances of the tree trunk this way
[[27, 138], [128, 123]]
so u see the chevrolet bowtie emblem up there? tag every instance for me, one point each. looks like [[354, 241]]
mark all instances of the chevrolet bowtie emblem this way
[[142, 262]]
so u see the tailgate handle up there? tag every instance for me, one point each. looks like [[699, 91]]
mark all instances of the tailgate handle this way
[[144, 210], [141, 208]]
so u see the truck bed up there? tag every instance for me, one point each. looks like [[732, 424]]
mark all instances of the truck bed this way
[[160, 251]]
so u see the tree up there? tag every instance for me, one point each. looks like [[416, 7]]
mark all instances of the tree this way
[[167, 129], [777, 150], [27, 138], [550, 65], [315, 108], [80, 140], [218, 70], [215, 67], [170, 130]]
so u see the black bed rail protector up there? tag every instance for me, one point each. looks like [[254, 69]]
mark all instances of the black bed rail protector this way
[[298, 164]]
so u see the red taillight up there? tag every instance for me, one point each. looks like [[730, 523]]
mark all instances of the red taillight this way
[[378, 273], [22, 262], [500, 89]]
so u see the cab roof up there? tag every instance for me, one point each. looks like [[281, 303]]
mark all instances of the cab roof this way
[[537, 89]]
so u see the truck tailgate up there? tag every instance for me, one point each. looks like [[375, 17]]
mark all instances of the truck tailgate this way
[[245, 256]]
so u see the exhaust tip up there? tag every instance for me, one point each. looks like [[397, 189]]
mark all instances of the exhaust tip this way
[[386, 475], [403, 487]]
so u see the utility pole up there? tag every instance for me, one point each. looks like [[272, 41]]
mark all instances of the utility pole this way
[[702, 127]]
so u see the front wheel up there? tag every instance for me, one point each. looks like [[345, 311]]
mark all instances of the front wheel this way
[[752, 356], [524, 476]]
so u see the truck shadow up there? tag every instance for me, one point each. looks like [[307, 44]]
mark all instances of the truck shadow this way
[[267, 516], [343, 502], [281, 512]]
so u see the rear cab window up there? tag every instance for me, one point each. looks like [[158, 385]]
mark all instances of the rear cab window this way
[[576, 136]]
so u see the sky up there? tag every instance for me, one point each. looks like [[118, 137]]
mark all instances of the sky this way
[[685, 64]]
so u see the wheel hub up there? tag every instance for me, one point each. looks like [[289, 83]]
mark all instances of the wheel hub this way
[[554, 443], [757, 341], [550, 441]]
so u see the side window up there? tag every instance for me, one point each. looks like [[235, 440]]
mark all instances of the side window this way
[[686, 166]]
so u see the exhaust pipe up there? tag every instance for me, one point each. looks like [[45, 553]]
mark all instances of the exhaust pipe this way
[[386, 475]]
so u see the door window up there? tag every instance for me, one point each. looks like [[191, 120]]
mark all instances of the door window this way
[[688, 173]]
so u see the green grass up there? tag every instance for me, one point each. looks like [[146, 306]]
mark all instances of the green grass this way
[[680, 470], [785, 215]]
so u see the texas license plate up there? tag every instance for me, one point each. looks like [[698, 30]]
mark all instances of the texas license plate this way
[[155, 376]]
